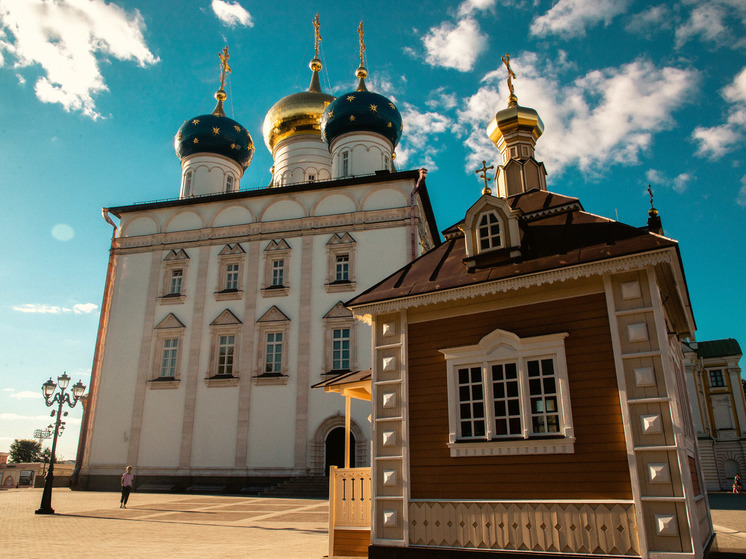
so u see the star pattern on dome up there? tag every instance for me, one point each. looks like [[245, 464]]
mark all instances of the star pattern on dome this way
[[350, 98], [391, 105], [178, 136], [374, 108], [352, 118], [237, 128], [195, 121], [389, 125], [216, 131], [233, 146], [331, 115], [401, 126], [196, 140]]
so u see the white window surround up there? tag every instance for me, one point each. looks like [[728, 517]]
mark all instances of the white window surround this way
[[507, 218], [231, 255], [489, 232], [339, 318], [340, 245], [345, 164], [187, 188], [716, 378], [225, 325], [276, 258], [170, 328], [497, 347], [274, 321], [175, 265]]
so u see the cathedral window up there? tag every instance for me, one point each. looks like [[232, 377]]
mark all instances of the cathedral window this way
[[229, 183], [225, 333], [509, 395], [273, 329], [230, 281], [187, 184], [717, 380], [311, 178], [345, 164], [340, 250], [167, 344], [488, 232], [339, 340], [276, 268], [226, 348], [173, 287]]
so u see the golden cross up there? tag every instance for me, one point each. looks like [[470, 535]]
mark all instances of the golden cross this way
[[224, 56], [650, 191], [483, 170], [362, 42], [511, 76], [317, 34]]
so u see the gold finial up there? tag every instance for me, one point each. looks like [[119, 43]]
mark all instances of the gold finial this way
[[652, 212], [224, 56], [512, 100], [486, 190], [362, 43], [317, 34]]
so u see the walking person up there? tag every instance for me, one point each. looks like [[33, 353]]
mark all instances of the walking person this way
[[127, 478], [737, 484]]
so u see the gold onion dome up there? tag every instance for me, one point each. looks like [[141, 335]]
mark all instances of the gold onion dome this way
[[299, 113], [515, 118]]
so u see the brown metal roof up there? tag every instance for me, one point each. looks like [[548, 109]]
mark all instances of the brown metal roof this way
[[345, 378], [556, 233]]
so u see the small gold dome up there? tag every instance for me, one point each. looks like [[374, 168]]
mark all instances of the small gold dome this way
[[515, 118], [299, 113]]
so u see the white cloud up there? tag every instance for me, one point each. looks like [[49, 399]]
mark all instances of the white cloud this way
[[441, 98], [422, 130], [68, 39], [678, 184], [9, 389], [605, 117], [80, 308], [713, 21], [716, 141], [232, 13], [470, 7], [741, 198], [455, 46], [26, 394], [652, 19], [569, 18]]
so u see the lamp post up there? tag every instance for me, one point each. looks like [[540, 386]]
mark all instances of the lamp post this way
[[48, 390]]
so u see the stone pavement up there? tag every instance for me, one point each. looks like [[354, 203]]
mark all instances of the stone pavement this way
[[91, 524]]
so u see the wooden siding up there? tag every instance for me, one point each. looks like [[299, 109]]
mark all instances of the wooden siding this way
[[598, 469], [351, 543]]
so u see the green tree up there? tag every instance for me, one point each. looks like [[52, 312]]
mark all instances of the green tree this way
[[25, 450]]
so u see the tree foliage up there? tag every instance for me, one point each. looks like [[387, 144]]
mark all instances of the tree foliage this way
[[25, 450]]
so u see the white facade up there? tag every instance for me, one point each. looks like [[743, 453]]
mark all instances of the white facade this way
[[301, 158], [189, 277]]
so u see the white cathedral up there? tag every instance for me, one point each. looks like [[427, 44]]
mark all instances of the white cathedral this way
[[224, 305]]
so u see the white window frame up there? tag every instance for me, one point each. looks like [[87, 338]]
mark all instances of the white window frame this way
[[169, 328], [275, 252], [490, 236], [225, 325], [171, 346], [230, 255], [226, 360], [344, 164], [340, 244], [722, 378], [188, 177], [337, 318], [274, 322], [500, 347], [175, 261], [273, 339], [230, 182]]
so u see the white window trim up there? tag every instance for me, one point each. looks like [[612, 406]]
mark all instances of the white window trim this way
[[231, 254], [272, 322], [340, 244], [338, 317], [274, 251], [502, 346], [174, 260], [722, 370], [188, 186], [227, 324], [477, 227], [169, 328]]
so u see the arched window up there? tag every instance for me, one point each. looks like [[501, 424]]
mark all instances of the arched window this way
[[345, 165], [229, 183], [488, 232]]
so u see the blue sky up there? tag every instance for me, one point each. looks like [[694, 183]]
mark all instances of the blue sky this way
[[631, 93]]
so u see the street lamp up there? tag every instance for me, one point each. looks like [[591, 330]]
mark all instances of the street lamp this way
[[48, 390]]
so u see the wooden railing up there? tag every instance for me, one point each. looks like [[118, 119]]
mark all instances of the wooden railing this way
[[349, 498]]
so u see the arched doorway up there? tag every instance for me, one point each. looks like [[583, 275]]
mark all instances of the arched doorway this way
[[334, 449]]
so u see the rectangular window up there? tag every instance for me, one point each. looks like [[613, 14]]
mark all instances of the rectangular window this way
[[345, 163], [174, 286], [278, 273], [341, 349], [342, 268], [507, 398], [231, 277], [311, 178], [168, 361], [226, 347], [188, 184], [229, 183], [716, 378], [542, 391], [273, 361], [471, 402]]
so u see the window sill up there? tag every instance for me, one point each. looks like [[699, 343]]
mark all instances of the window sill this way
[[337, 286], [175, 299], [559, 445], [275, 291], [270, 379], [222, 380], [228, 294], [163, 383]]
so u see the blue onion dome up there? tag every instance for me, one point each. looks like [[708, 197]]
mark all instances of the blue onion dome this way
[[297, 114], [364, 111], [216, 133]]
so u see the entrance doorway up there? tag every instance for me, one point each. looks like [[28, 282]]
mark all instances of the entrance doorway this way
[[334, 449]]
